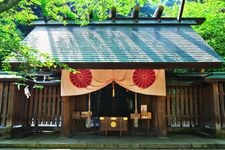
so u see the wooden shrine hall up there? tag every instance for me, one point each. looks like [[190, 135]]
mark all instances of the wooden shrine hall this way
[[124, 80]]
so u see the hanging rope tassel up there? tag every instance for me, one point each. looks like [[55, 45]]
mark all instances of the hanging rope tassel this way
[[113, 90]]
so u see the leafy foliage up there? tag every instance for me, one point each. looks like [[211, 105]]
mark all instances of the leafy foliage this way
[[213, 29], [12, 48]]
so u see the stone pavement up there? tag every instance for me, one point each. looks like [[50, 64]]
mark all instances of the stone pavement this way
[[55, 141]]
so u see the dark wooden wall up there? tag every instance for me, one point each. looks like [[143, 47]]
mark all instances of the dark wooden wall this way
[[183, 106], [213, 105], [12, 104], [222, 103], [198, 105]]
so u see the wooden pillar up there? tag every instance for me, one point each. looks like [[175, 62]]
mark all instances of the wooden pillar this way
[[10, 110], [66, 116], [154, 114], [216, 106], [9, 121], [161, 116]]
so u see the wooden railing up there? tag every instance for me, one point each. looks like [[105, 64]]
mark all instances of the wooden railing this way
[[192, 106], [12, 103], [182, 106], [44, 106]]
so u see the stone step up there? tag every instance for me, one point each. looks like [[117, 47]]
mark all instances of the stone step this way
[[113, 146], [55, 141]]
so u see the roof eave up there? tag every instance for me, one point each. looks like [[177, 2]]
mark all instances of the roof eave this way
[[140, 65]]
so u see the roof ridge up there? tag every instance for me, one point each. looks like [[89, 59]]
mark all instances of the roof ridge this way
[[127, 21]]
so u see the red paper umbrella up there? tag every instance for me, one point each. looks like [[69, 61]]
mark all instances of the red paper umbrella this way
[[81, 79], [144, 78]]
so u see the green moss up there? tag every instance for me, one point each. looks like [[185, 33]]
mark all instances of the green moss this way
[[6, 132], [220, 134]]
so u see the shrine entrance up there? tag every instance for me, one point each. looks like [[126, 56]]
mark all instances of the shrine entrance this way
[[113, 102], [109, 102]]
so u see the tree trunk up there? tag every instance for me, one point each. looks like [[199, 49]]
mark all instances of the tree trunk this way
[[7, 4]]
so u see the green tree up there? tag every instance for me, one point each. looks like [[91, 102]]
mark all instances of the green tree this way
[[17, 12], [213, 29], [7, 4]]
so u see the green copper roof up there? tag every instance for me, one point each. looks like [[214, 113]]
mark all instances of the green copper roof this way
[[125, 46]]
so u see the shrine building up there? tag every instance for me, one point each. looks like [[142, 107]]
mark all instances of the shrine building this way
[[125, 81]]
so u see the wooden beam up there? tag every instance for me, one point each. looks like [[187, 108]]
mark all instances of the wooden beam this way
[[142, 65], [66, 114], [158, 13], [181, 10], [113, 13], [216, 106], [161, 116], [135, 12]]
